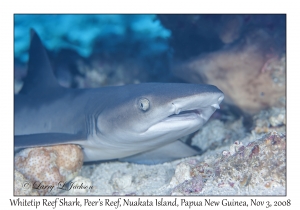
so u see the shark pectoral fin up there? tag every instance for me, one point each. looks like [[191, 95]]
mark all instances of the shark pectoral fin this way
[[162, 154], [45, 139]]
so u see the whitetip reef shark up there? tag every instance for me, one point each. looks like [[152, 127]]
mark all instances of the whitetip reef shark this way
[[137, 123]]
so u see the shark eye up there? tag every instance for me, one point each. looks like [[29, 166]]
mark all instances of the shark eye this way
[[144, 104]]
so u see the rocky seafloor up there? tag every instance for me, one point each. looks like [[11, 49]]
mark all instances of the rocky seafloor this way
[[250, 166]]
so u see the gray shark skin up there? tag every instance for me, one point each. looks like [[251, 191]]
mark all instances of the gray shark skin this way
[[136, 123]]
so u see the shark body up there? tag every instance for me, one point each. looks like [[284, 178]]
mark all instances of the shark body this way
[[137, 123]]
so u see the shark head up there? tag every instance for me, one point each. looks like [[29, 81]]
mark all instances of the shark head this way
[[153, 114]]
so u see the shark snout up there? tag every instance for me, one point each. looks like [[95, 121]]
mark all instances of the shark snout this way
[[201, 106]]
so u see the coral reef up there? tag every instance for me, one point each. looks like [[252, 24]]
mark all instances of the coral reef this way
[[251, 76], [49, 166], [256, 168]]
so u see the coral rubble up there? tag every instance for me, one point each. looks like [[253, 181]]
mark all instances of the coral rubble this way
[[49, 167], [256, 168]]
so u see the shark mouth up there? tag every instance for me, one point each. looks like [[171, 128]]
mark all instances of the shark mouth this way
[[190, 114], [193, 114]]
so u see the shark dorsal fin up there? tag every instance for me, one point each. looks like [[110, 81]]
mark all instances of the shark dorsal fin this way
[[39, 74]]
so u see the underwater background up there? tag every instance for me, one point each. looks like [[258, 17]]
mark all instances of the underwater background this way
[[147, 45], [243, 145]]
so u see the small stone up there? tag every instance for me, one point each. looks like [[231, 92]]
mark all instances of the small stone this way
[[235, 147], [226, 153], [277, 120], [121, 181], [194, 185], [182, 173], [268, 185], [46, 167]]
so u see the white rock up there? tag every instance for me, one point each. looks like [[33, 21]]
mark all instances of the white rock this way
[[182, 173], [121, 181]]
